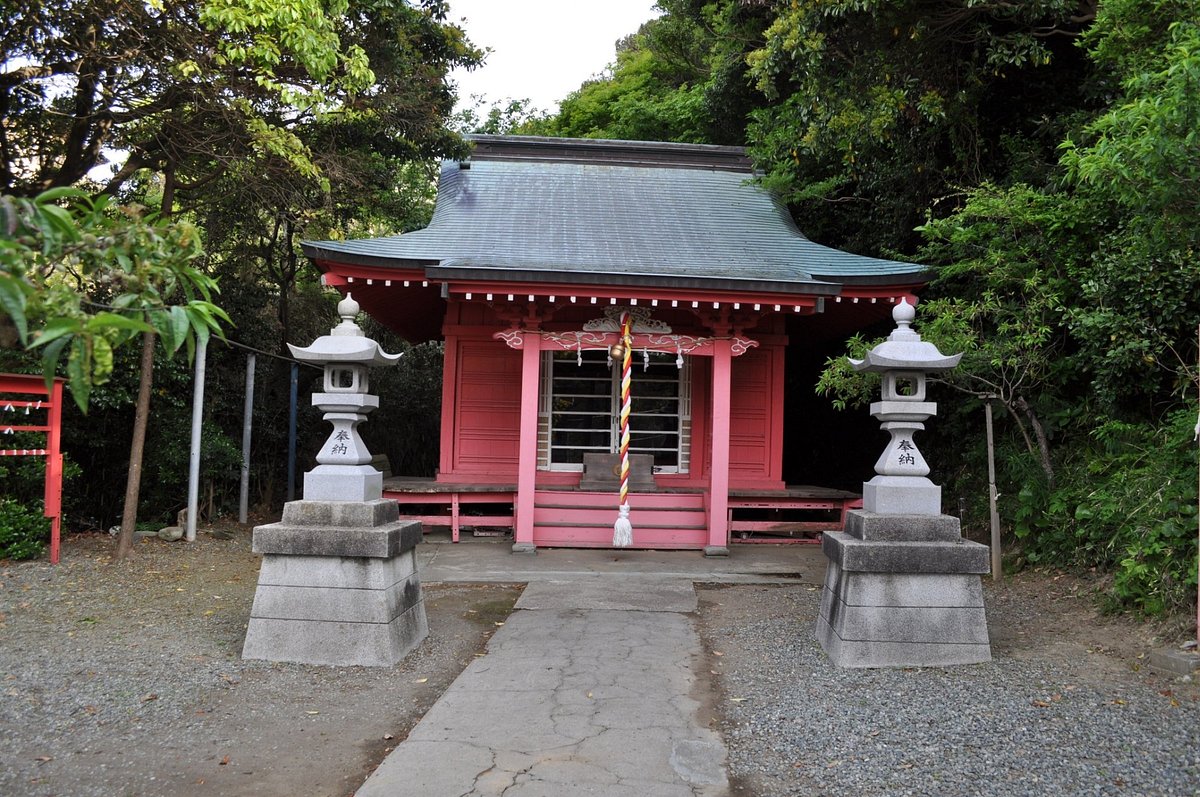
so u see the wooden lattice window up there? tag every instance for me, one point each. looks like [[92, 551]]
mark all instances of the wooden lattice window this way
[[580, 401]]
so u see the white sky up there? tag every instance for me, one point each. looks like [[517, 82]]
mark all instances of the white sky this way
[[541, 49]]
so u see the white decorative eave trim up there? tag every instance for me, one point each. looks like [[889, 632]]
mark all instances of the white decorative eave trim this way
[[592, 340]]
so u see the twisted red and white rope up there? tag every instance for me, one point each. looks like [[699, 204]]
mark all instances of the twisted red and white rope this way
[[626, 403], [623, 528]]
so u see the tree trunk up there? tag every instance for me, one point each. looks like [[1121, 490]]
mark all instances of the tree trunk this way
[[133, 481], [287, 283], [1016, 416], [141, 417], [1043, 442]]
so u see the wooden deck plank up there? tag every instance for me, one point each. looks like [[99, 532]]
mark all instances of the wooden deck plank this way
[[560, 514]]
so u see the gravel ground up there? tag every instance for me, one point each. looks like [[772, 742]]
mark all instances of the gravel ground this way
[[127, 679], [1065, 707]]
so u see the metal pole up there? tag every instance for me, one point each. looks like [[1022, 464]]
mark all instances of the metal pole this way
[[291, 469], [244, 499], [193, 508], [992, 511]]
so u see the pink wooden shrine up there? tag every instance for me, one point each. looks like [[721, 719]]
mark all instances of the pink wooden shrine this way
[[536, 246]]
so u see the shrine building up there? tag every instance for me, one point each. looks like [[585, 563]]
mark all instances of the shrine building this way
[[536, 248]]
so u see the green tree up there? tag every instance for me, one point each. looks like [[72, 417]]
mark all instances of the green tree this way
[[192, 85], [680, 77], [879, 110], [215, 99], [90, 277], [1140, 299], [1077, 298], [506, 117]]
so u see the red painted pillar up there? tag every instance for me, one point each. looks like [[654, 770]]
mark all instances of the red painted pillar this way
[[450, 376], [718, 503], [54, 470], [527, 448]]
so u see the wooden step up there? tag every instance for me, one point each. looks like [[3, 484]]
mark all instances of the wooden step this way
[[601, 514], [603, 525], [605, 499], [601, 537]]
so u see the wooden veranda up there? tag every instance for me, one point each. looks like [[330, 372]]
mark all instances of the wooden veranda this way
[[568, 516]]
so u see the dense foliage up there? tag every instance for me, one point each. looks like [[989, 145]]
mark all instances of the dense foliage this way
[[23, 530], [91, 277], [681, 77], [1044, 159], [247, 126]]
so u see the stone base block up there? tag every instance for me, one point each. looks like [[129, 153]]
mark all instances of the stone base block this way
[[1175, 662], [348, 514], [337, 644], [338, 585], [851, 553], [902, 495], [902, 619], [875, 527], [336, 610], [381, 542], [343, 483], [879, 653]]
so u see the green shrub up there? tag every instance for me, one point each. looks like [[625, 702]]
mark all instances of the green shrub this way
[[23, 530], [1127, 504]]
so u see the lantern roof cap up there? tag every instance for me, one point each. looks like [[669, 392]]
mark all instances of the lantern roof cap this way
[[345, 343], [904, 350]]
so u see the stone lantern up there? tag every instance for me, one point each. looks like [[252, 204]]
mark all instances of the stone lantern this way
[[344, 471], [902, 587], [338, 583], [903, 360]]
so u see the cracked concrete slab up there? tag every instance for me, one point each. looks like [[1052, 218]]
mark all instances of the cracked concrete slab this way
[[614, 593], [583, 691]]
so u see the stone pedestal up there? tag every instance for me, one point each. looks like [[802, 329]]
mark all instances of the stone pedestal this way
[[338, 586], [903, 591], [343, 483]]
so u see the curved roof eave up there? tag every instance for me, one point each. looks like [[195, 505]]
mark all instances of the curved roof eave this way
[[559, 210], [480, 271]]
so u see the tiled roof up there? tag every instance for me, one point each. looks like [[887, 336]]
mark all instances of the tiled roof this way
[[588, 211]]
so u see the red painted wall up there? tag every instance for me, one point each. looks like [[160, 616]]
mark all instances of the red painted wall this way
[[755, 453], [488, 408], [481, 400], [481, 406]]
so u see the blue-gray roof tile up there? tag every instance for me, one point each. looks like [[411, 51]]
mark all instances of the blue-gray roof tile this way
[[505, 217]]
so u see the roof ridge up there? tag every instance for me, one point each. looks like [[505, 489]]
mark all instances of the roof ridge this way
[[662, 154]]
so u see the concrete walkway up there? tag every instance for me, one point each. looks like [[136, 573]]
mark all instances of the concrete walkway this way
[[590, 688], [494, 562]]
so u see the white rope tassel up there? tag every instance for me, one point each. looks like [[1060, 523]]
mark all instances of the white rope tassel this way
[[622, 529]]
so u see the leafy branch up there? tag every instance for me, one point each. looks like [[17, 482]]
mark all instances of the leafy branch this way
[[57, 259]]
